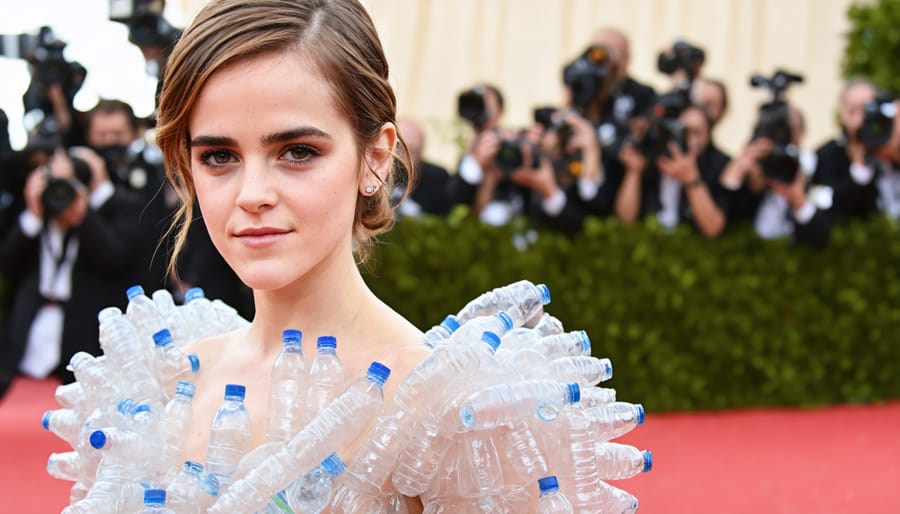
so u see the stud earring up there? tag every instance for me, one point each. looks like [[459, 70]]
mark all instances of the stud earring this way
[[370, 189]]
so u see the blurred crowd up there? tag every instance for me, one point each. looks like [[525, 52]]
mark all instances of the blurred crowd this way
[[617, 148], [85, 207]]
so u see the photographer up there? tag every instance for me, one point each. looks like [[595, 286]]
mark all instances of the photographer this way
[[627, 97], [493, 177], [779, 189], [843, 163], [135, 166], [687, 186], [430, 193], [886, 148], [71, 250]]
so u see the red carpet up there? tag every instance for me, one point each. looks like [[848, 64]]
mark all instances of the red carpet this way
[[833, 460]]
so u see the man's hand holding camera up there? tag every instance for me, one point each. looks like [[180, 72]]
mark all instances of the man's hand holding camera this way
[[682, 166]]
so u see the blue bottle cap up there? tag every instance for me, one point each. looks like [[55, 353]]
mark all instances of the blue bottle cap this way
[[544, 291], [548, 483], [607, 366], [291, 335], [193, 467], [507, 321], [45, 420], [326, 342], [162, 338], [193, 293], [125, 406], [640, 413], [574, 393], [451, 323], [334, 465], [185, 388], [195, 362], [648, 461], [235, 390], [378, 372], [141, 408], [585, 342], [155, 497], [133, 291], [98, 439], [492, 339]]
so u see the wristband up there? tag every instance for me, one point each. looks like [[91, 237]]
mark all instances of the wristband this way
[[695, 183]]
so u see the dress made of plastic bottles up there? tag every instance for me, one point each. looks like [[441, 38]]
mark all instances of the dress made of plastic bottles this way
[[155, 502], [328, 431], [172, 365], [288, 383], [311, 493], [522, 300], [229, 438], [173, 317], [183, 492], [552, 501], [326, 376], [143, 313], [124, 431]]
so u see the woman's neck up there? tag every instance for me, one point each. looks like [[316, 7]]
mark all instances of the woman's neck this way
[[326, 301]]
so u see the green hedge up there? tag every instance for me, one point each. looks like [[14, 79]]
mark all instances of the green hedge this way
[[689, 323], [873, 42]]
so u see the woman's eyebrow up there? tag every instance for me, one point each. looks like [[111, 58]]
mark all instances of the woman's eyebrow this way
[[287, 135]]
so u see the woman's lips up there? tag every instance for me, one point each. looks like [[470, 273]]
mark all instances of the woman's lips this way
[[261, 237]]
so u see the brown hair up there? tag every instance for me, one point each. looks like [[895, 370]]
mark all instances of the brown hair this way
[[337, 35]]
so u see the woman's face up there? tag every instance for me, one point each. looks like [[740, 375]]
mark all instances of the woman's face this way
[[276, 170]]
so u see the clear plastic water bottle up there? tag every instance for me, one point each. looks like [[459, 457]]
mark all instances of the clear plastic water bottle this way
[[143, 314], [552, 501], [481, 472], [228, 316], [617, 500], [585, 478], [548, 325], [336, 426], [564, 344], [441, 331], [287, 388], [470, 332], [128, 357], [326, 376], [183, 492], [522, 300], [427, 445], [173, 317], [92, 375], [522, 450], [65, 423], [311, 493], [597, 396], [505, 403], [229, 436], [155, 502], [69, 396], [173, 424], [615, 419], [201, 313], [584, 370], [66, 466], [172, 365], [616, 461]]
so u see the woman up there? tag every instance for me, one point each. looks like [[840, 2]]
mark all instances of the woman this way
[[278, 116]]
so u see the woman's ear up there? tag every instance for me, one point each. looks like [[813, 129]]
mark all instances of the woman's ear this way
[[378, 160]]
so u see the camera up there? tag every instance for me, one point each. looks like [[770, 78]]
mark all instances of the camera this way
[[554, 120], [682, 56], [44, 51], [774, 123], [59, 193], [588, 76], [878, 121], [471, 107], [510, 155], [145, 22], [665, 126]]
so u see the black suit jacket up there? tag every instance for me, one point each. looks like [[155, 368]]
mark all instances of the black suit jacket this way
[[102, 272], [850, 200]]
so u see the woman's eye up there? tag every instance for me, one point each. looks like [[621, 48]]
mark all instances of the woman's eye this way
[[300, 153], [216, 157]]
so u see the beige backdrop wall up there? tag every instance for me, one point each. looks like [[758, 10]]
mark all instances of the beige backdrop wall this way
[[437, 48]]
